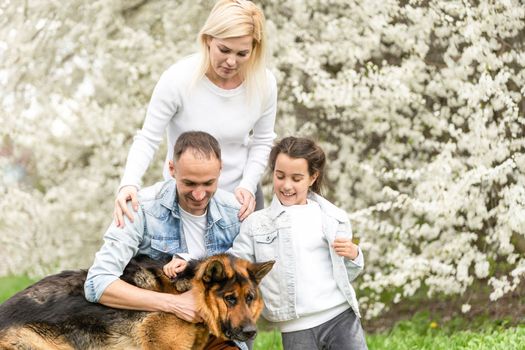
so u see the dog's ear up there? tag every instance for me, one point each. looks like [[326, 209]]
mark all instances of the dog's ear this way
[[214, 272], [259, 270]]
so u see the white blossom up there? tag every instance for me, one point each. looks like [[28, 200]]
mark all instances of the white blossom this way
[[465, 308]]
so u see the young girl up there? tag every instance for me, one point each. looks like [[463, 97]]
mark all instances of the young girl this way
[[307, 294]]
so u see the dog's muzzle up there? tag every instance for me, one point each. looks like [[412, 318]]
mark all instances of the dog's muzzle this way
[[241, 333]]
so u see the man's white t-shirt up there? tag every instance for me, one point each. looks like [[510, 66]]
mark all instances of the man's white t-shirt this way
[[193, 228]]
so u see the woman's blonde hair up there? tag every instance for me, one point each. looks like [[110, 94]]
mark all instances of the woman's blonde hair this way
[[236, 18]]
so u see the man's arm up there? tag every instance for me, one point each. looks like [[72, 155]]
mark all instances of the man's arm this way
[[120, 245], [122, 295]]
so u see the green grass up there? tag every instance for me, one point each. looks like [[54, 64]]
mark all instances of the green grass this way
[[9, 285], [268, 341], [507, 339], [418, 333], [407, 337], [422, 333]]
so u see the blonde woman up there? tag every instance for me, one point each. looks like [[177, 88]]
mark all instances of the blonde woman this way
[[224, 90]]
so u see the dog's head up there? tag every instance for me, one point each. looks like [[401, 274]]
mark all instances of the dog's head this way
[[229, 298]]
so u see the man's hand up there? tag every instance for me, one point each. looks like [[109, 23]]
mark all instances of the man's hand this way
[[126, 193], [185, 306], [247, 201]]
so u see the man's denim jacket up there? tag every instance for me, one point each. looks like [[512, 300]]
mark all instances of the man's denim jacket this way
[[156, 231], [266, 235]]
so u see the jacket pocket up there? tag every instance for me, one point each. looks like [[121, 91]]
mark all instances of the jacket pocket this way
[[165, 245], [266, 246]]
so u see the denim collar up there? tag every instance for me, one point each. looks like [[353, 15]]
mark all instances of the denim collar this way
[[214, 214], [276, 208], [168, 196]]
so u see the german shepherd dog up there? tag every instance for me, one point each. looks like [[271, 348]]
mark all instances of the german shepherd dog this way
[[54, 314]]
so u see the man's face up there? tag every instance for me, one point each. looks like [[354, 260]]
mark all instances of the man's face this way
[[197, 178]]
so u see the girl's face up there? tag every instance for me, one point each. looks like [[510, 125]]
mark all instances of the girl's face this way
[[291, 180], [227, 58]]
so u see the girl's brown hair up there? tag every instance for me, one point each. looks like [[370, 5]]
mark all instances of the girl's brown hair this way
[[298, 147]]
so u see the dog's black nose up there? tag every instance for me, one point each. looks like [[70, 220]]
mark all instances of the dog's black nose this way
[[249, 331], [249, 335]]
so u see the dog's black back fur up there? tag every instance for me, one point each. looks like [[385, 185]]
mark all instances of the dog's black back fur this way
[[56, 304]]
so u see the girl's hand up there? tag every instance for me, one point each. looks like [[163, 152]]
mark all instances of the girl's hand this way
[[126, 193], [247, 201], [175, 266], [345, 247]]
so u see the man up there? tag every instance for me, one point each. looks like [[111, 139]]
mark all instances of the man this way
[[188, 217]]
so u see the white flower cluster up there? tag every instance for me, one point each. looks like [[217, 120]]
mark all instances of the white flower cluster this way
[[420, 106]]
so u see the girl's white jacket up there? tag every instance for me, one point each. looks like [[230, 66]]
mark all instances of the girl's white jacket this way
[[266, 235]]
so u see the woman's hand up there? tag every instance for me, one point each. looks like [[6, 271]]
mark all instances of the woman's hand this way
[[126, 193], [345, 247], [247, 201]]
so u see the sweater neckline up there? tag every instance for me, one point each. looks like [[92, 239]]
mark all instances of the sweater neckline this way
[[223, 92]]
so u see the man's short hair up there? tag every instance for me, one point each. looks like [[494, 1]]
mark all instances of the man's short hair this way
[[200, 142]]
